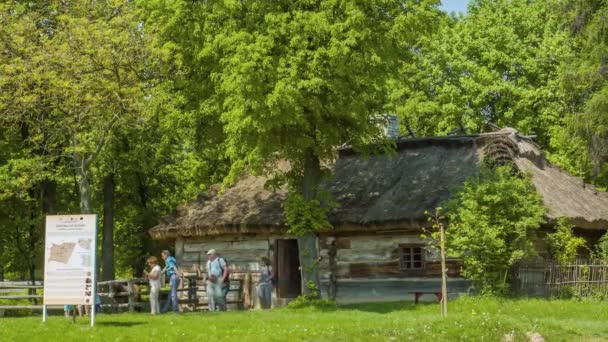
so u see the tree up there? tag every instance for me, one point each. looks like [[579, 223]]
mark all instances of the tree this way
[[499, 65], [493, 219], [30, 165], [584, 75], [292, 80], [73, 73]]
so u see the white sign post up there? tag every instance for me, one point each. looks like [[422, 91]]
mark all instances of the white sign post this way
[[69, 261]]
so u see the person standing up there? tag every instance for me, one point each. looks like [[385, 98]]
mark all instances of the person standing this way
[[154, 278], [171, 272], [217, 281], [265, 286]]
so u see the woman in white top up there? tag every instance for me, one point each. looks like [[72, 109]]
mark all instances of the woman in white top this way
[[154, 278]]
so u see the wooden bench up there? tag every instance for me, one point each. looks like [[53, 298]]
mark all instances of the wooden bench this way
[[418, 294]]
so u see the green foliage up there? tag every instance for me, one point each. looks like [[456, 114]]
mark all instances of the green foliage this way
[[493, 219], [311, 300], [85, 93], [537, 66], [432, 234], [499, 64], [601, 249], [290, 80], [563, 244], [584, 77], [304, 216]]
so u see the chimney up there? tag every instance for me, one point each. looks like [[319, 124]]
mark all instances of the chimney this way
[[391, 126]]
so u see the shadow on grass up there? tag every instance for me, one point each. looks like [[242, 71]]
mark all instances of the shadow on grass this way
[[384, 308], [119, 324]]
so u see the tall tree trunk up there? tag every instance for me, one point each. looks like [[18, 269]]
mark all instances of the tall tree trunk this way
[[48, 198], [32, 238], [307, 244], [84, 186], [107, 245]]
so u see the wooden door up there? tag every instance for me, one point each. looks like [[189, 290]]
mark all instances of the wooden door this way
[[287, 263]]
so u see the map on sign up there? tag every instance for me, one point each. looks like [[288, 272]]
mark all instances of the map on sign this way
[[62, 253], [85, 243], [69, 259]]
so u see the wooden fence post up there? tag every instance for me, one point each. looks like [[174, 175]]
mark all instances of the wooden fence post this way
[[131, 296]]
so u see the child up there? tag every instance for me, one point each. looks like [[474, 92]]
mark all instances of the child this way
[[154, 277]]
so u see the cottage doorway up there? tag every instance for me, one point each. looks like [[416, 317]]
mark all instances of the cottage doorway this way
[[287, 261]]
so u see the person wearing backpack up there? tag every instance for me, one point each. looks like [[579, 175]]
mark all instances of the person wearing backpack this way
[[217, 281], [172, 272]]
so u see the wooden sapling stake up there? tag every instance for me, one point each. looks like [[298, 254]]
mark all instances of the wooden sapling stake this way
[[439, 229], [444, 271]]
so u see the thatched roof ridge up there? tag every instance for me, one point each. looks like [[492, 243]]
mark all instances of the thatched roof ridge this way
[[391, 191]]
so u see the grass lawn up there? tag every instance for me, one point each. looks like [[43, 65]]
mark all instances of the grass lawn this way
[[470, 319]]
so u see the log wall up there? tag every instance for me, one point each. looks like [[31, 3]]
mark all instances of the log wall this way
[[377, 256], [363, 264], [242, 253]]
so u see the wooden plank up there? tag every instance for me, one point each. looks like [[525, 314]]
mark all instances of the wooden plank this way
[[223, 246], [123, 281], [131, 296], [113, 294], [341, 242], [364, 270], [21, 287], [379, 242], [123, 305], [22, 297]]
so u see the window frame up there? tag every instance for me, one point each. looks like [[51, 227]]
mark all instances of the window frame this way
[[408, 249]]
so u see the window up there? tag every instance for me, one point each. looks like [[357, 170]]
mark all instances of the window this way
[[411, 257]]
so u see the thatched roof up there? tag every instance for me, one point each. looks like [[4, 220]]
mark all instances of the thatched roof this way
[[391, 191]]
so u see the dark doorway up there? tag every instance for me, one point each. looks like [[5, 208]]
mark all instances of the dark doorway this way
[[287, 261]]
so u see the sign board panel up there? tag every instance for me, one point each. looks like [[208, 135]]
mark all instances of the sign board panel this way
[[69, 260]]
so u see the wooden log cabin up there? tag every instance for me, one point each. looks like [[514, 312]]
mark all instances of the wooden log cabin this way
[[375, 250]]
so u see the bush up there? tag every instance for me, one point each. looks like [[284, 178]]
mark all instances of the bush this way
[[601, 249], [562, 243], [493, 220], [312, 300]]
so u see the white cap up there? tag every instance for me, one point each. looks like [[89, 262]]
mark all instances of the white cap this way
[[211, 251]]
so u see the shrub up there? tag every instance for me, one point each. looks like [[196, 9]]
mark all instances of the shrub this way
[[493, 220], [601, 249], [312, 300], [562, 243]]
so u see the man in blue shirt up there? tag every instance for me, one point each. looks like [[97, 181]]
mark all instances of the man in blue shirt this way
[[171, 272]]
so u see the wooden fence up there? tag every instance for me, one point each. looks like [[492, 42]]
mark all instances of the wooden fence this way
[[20, 291], [548, 278], [132, 294]]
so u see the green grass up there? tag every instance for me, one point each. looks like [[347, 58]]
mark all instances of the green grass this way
[[470, 319]]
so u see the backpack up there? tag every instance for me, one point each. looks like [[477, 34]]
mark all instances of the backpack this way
[[227, 281]]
